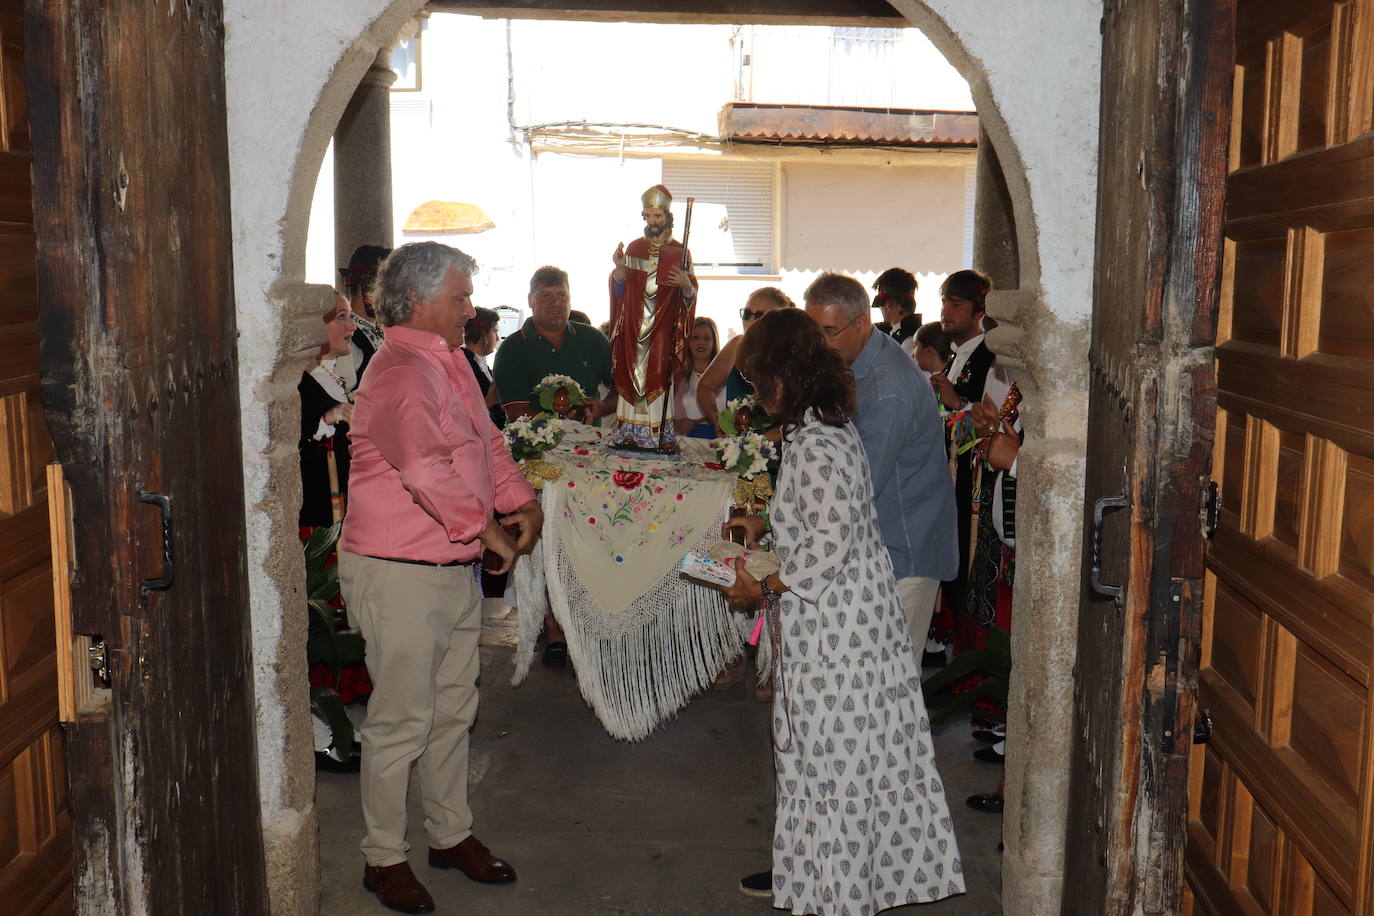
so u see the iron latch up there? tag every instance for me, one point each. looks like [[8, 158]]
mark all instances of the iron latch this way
[[98, 653], [1202, 732], [1209, 512]]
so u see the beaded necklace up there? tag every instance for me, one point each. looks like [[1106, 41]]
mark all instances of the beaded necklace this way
[[343, 386]]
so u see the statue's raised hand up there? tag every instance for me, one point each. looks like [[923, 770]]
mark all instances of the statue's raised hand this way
[[619, 259]]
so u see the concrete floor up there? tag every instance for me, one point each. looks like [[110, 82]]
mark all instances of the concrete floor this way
[[594, 826]]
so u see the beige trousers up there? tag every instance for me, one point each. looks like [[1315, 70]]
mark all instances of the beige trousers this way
[[421, 624], [917, 597]]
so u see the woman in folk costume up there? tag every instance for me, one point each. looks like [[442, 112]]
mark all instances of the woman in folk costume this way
[[862, 824], [653, 297], [480, 339], [326, 409]]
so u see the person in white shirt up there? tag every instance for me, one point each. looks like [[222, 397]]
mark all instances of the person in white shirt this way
[[896, 300], [702, 347], [963, 298]]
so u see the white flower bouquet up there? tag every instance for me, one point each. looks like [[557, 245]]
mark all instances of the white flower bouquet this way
[[747, 454], [558, 394], [532, 436], [743, 415]]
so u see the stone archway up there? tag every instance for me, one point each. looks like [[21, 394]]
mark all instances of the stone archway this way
[[1034, 71]]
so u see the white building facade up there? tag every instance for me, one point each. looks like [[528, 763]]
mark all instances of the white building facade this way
[[554, 131]]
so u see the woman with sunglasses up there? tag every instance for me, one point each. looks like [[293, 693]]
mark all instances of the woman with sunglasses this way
[[722, 374]]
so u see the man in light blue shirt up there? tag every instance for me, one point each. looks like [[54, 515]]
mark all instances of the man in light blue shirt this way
[[905, 442]]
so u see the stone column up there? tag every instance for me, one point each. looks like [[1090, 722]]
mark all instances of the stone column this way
[[362, 164], [995, 250]]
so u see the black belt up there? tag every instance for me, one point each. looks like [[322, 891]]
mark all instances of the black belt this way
[[471, 562]]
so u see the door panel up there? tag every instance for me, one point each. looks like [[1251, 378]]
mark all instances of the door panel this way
[[1280, 799], [1166, 76], [141, 394], [35, 826]]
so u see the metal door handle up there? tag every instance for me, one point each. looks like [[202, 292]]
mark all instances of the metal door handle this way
[[1202, 732], [1099, 508], [163, 502]]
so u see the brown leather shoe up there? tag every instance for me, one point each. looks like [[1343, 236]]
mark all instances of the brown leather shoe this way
[[474, 860], [397, 888]]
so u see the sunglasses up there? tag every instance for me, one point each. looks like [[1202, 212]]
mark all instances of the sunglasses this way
[[746, 314]]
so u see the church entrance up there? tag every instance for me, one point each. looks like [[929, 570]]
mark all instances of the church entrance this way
[[142, 375]]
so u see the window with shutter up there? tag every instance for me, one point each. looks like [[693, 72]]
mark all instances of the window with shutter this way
[[732, 217]]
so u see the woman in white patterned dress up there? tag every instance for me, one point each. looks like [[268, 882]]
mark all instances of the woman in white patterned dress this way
[[862, 823]]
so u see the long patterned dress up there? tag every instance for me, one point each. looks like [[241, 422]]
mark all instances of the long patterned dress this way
[[862, 823]]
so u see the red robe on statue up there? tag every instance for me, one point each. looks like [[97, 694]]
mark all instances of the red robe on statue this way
[[671, 328]]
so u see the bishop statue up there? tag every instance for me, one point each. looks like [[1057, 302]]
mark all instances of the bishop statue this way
[[653, 301]]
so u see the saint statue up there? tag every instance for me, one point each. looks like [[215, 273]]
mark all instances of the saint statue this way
[[653, 299]]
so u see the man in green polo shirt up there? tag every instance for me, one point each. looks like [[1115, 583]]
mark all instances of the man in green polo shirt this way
[[548, 344]]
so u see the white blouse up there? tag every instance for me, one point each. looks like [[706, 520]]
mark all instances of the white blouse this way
[[688, 408], [325, 374]]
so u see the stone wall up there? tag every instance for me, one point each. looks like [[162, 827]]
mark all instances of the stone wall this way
[[1033, 66]]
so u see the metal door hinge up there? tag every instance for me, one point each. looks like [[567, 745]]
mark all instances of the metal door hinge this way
[[1209, 512]]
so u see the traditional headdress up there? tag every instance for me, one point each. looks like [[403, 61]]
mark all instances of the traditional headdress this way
[[968, 284], [657, 197]]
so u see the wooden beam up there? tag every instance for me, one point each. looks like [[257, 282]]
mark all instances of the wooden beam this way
[[754, 12]]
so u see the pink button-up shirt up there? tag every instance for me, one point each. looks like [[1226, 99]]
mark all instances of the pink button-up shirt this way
[[429, 467]]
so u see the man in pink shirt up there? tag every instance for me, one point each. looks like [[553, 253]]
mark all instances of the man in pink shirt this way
[[429, 470]]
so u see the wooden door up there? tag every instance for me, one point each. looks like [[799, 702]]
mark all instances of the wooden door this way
[[1282, 798], [1166, 73], [141, 392], [35, 828]]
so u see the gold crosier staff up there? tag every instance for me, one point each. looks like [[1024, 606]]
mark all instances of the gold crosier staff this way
[[672, 340]]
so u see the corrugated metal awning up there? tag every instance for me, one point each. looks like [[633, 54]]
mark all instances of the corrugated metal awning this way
[[752, 122], [448, 217]]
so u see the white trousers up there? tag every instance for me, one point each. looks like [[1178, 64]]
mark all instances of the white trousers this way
[[421, 624], [917, 597]]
